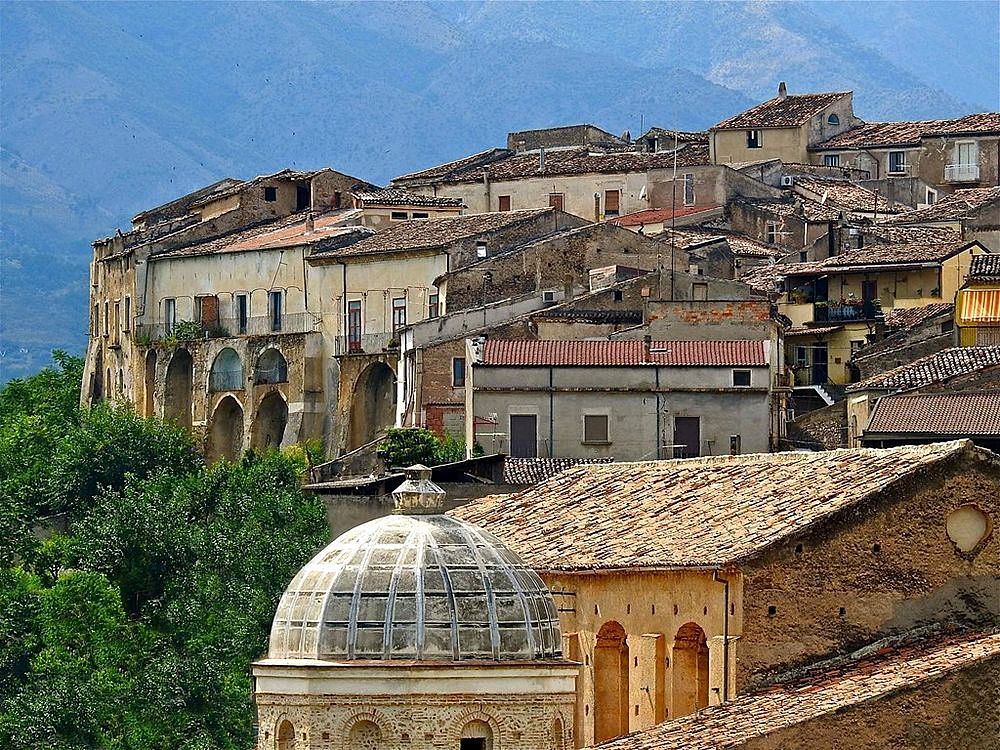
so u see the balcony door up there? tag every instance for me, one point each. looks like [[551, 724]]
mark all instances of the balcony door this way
[[354, 325], [820, 370]]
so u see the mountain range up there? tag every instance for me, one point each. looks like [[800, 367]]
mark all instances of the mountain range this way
[[109, 108]]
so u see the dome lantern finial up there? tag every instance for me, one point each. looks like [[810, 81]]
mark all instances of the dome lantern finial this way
[[418, 495]]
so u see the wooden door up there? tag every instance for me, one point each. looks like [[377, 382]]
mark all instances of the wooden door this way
[[523, 435], [687, 437]]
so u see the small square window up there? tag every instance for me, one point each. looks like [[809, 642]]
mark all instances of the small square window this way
[[482, 250], [458, 372], [741, 378], [897, 162], [270, 194], [618, 295], [831, 160], [433, 306], [595, 428], [420, 214], [398, 216], [754, 139], [772, 233]]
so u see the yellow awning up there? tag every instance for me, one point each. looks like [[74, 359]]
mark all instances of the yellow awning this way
[[978, 307]]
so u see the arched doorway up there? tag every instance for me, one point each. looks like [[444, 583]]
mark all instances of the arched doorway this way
[[149, 383], [476, 735], [225, 436], [285, 736], [365, 735], [689, 671], [610, 683], [227, 372], [272, 367], [373, 405], [177, 390], [269, 425]]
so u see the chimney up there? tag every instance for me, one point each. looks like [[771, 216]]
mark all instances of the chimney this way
[[418, 495], [782, 90], [567, 287], [310, 223], [647, 345], [541, 160]]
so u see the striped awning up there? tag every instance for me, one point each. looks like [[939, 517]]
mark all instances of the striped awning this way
[[978, 307]]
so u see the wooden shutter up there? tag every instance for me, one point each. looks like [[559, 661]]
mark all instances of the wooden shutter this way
[[612, 201], [556, 201], [505, 203]]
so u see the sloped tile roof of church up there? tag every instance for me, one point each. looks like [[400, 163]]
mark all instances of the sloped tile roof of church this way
[[526, 353], [782, 112], [832, 686], [421, 234], [934, 368], [885, 134], [698, 512], [967, 413]]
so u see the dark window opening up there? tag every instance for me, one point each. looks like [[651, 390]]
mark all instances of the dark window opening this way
[[595, 428], [772, 611], [420, 215], [619, 295], [833, 119], [458, 372], [433, 306], [270, 194], [275, 303], [303, 197], [242, 312], [476, 743], [354, 325], [398, 313], [754, 139], [398, 215], [612, 202], [741, 378]]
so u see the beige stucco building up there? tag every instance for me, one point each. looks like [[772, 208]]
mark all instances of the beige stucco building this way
[[415, 631]]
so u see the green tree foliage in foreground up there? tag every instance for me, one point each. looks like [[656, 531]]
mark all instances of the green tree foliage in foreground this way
[[136, 585], [407, 446]]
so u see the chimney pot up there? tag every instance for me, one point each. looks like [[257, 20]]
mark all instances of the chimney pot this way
[[782, 90], [310, 223], [541, 160]]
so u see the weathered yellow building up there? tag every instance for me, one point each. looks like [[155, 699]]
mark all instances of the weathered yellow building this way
[[977, 304]]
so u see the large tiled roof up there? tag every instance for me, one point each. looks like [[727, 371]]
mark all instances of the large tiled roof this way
[[934, 368], [909, 254], [959, 205], [330, 230], [530, 471], [846, 194], [799, 207], [920, 235], [907, 318], [782, 112], [391, 196], [693, 512], [963, 414], [559, 161], [985, 268], [522, 353], [883, 134], [421, 234], [827, 688], [179, 206], [658, 215]]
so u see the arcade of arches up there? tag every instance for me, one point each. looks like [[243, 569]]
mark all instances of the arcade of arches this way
[[225, 432], [372, 404], [269, 423], [177, 389]]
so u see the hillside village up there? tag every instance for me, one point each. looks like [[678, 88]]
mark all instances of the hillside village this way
[[730, 410]]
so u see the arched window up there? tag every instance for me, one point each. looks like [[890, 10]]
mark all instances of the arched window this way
[[833, 120], [689, 675], [271, 368], [285, 738], [364, 735], [227, 372], [269, 425], [476, 735], [610, 682]]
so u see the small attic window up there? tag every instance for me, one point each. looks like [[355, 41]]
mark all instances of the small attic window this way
[[270, 194], [833, 120]]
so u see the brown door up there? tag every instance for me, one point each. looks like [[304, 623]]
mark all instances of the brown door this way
[[612, 202], [505, 203], [209, 311], [687, 437], [354, 325], [556, 201], [523, 436]]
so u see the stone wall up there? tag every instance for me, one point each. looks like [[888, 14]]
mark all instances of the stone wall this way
[[872, 571], [954, 712], [463, 252]]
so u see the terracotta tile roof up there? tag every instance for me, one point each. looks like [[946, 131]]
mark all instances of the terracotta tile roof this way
[[788, 112], [934, 368], [846, 195], [814, 331], [559, 161], [666, 136], [391, 196], [799, 206], [329, 230], [688, 237], [530, 471], [907, 318], [884, 134], [985, 268], [964, 414], [832, 686], [658, 215], [695, 512], [521, 353], [743, 245], [179, 206], [912, 234], [612, 317], [910, 254], [766, 279], [959, 205], [419, 234]]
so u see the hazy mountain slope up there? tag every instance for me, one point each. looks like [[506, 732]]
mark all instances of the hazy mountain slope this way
[[109, 108]]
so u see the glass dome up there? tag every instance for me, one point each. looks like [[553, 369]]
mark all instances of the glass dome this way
[[416, 585]]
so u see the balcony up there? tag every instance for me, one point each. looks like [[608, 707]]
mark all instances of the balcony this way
[[837, 312], [961, 173], [263, 325], [367, 343]]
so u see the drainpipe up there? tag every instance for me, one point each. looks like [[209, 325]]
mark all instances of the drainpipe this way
[[725, 635], [552, 394], [343, 325], [656, 441]]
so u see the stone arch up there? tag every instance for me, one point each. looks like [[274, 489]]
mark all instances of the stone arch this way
[[610, 682], [271, 367], [269, 423], [177, 390], [225, 432], [227, 372], [373, 405], [284, 737], [365, 735], [149, 384], [476, 735], [689, 671], [561, 737]]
